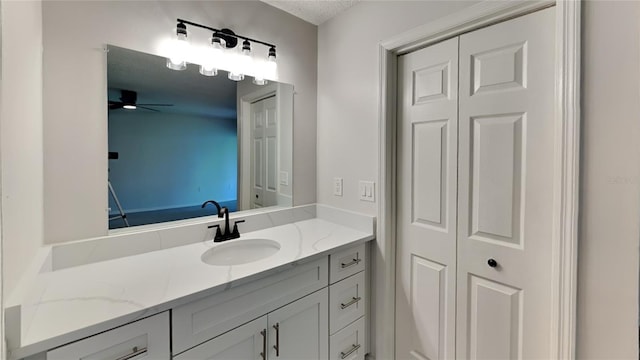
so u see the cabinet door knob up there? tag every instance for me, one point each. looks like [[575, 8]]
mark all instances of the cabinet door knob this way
[[492, 263]]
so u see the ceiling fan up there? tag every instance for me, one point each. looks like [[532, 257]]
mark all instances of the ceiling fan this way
[[128, 100]]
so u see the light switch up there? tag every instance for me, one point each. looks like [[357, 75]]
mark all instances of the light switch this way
[[337, 186], [284, 178], [367, 191]]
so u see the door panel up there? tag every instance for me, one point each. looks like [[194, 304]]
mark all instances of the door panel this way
[[505, 189], [426, 218], [495, 319]]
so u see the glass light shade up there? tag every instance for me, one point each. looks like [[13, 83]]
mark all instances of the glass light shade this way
[[271, 68], [259, 72], [179, 53], [208, 71], [236, 76], [212, 60], [258, 81], [238, 65]]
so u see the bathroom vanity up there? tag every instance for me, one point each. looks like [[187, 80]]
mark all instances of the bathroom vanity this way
[[298, 290]]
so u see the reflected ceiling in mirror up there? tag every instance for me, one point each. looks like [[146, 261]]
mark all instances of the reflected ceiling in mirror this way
[[178, 139]]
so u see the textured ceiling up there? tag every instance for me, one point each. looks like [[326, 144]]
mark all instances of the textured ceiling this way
[[313, 11]]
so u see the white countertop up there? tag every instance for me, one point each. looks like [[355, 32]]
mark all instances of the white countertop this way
[[79, 301]]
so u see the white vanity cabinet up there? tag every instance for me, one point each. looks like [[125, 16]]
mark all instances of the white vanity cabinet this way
[[296, 331], [309, 310], [292, 315], [247, 342], [143, 339], [300, 330], [348, 300]]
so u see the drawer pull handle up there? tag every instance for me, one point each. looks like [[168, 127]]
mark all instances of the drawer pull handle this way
[[354, 347], [353, 262], [353, 301], [264, 344], [135, 353], [277, 345]]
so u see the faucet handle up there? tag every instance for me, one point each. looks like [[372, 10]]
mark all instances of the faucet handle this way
[[235, 233], [218, 236]]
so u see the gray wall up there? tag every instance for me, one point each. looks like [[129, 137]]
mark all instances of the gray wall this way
[[610, 216], [348, 109], [21, 137], [609, 197], [75, 140]]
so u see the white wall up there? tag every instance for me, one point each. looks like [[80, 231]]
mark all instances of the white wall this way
[[610, 196], [2, 341], [75, 140], [609, 235], [348, 90], [21, 136], [348, 108]]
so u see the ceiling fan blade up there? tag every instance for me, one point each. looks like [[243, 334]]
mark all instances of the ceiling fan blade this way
[[146, 108], [115, 105], [154, 104]]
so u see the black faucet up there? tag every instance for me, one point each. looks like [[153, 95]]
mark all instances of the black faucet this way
[[229, 234]]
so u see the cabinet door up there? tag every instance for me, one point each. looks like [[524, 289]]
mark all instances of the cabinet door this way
[[144, 339], [247, 342], [300, 330]]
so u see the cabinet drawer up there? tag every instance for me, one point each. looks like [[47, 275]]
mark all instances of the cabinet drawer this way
[[204, 319], [347, 301], [348, 343], [346, 263], [144, 339]]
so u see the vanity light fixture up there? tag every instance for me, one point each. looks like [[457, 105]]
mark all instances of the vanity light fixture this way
[[222, 55]]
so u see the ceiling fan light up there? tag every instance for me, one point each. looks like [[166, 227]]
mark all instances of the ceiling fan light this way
[[129, 107]]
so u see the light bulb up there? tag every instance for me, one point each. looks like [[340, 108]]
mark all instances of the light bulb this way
[[239, 65], [180, 49], [129, 107], [212, 57]]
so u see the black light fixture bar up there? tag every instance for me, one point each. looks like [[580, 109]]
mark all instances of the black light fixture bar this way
[[219, 31]]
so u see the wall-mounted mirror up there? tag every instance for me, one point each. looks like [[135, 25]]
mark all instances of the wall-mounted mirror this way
[[178, 139]]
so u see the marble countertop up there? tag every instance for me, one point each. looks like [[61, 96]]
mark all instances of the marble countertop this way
[[76, 302]]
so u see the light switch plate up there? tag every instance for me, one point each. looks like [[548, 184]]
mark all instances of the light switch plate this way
[[337, 186], [284, 178], [367, 191]]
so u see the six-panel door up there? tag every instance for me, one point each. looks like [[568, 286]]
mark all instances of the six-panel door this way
[[475, 194], [505, 189]]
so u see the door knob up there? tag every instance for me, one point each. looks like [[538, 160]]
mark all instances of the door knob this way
[[492, 263]]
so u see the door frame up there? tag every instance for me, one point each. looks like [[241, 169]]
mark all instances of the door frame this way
[[566, 163]]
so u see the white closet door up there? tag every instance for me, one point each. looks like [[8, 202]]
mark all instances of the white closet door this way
[[505, 192], [426, 218]]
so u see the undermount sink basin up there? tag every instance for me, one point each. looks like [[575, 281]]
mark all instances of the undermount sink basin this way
[[236, 252]]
